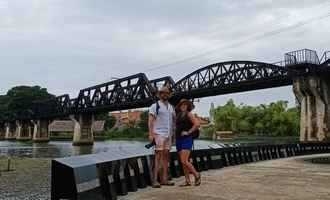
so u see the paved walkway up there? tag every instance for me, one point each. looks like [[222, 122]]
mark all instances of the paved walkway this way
[[285, 179]]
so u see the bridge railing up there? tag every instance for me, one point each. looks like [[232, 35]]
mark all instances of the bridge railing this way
[[280, 63], [325, 57], [304, 56], [164, 81], [101, 176]]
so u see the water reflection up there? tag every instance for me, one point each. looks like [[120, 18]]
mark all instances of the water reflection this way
[[57, 149]]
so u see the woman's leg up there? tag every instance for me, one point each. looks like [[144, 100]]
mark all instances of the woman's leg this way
[[185, 169], [187, 163]]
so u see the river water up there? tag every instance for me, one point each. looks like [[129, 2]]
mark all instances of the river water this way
[[59, 149]]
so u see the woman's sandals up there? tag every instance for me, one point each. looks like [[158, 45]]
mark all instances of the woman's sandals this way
[[198, 180], [185, 184]]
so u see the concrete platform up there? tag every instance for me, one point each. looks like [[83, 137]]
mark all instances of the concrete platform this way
[[285, 179]]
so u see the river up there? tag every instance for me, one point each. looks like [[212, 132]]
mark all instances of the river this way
[[59, 149]]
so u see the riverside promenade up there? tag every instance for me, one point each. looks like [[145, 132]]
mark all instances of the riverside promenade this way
[[283, 179]]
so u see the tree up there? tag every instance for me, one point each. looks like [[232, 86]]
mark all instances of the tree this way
[[19, 101], [109, 120], [4, 113], [143, 123], [226, 116], [275, 119]]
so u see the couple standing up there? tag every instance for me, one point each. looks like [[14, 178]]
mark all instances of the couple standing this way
[[166, 122]]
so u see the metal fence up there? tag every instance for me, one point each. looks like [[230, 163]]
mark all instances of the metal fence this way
[[303, 56], [100, 177]]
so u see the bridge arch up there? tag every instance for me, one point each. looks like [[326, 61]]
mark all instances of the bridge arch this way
[[232, 76]]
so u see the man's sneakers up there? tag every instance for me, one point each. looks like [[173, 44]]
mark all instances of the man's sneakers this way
[[155, 185], [168, 183]]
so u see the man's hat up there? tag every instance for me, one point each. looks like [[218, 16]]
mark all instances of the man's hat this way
[[187, 102], [164, 89]]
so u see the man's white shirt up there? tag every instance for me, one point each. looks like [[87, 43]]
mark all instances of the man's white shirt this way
[[164, 120]]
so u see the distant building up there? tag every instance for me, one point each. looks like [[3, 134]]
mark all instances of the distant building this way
[[65, 127], [204, 121], [127, 118], [131, 118]]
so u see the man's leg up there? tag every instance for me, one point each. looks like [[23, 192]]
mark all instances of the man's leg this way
[[159, 148], [158, 155], [165, 166], [165, 161]]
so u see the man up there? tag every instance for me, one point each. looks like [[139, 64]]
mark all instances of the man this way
[[161, 129]]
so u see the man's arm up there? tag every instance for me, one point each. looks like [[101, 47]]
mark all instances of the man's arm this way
[[151, 123]]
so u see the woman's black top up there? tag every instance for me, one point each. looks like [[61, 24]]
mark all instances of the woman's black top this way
[[183, 123]]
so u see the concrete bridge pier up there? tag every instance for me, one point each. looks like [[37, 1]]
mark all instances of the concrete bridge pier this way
[[312, 92], [23, 130], [326, 96], [40, 131], [10, 131], [83, 129]]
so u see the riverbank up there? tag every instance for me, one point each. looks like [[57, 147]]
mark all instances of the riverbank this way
[[28, 179]]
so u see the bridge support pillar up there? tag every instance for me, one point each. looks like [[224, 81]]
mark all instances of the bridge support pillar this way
[[10, 131], [40, 131], [312, 92], [23, 130], [83, 129]]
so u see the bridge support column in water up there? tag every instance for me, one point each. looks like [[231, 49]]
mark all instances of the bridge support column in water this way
[[313, 94], [23, 130], [83, 129], [40, 131], [10, 131]]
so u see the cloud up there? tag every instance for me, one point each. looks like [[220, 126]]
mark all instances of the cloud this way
[[68, 45]]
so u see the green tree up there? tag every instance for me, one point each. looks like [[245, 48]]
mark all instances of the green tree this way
[[21, 98], [275, 119], [226, 116], [19, 101], [143, 123], [110, 120]]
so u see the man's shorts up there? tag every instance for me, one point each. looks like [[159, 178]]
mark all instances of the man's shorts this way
[[184, 143], [162, 143]]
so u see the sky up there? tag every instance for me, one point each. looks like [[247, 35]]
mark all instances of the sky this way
[[66, 45]]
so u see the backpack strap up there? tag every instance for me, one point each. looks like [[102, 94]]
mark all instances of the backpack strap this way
[[157, 108]]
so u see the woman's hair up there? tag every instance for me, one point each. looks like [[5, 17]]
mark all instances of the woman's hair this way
[[190, 107]]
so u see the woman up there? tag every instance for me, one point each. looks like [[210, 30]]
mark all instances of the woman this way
[[186, 124]]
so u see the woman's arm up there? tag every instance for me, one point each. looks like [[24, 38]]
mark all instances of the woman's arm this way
[[195, 122]]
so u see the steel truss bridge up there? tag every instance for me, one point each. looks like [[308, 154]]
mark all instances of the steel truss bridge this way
[[138, 91]]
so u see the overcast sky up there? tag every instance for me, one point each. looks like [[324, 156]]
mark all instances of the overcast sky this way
[[66, 45]]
